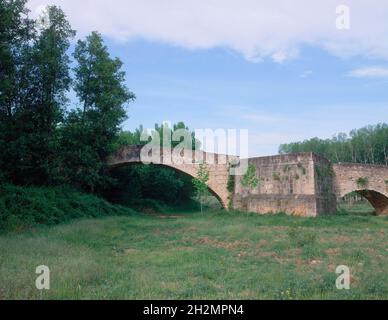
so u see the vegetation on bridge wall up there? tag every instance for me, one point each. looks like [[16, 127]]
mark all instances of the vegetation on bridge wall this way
[[362, 182]]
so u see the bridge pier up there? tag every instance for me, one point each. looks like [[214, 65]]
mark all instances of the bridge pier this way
[[295, 184]]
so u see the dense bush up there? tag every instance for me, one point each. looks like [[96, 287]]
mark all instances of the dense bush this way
[[23, 207]]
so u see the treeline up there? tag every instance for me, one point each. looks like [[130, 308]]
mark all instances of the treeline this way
[[366, 145], [43, 139]]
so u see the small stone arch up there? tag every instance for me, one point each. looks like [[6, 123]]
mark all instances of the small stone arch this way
[[376, 199], [374, 185], [218, 172]]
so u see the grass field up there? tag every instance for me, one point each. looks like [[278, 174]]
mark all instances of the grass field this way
[[218, 255]]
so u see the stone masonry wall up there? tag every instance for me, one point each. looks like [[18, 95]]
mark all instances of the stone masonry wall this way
[[296, 184]]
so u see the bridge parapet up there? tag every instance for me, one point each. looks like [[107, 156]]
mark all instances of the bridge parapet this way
[[167, 156]]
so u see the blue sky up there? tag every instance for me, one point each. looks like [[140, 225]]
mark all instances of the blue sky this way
[[280, 69], [217, 88]]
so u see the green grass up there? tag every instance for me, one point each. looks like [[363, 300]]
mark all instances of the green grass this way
[[189, 256], [361, 208]]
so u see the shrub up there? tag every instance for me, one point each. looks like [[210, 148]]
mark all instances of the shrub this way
[[23, 207], [362, 183]]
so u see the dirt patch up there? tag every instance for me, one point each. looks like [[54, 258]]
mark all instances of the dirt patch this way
[[262, 244], [260, 254], [280, 228], [222, 244], [292, 253], [267, 255], [130, 251], [340, 239], [333, 252], [315, 262]]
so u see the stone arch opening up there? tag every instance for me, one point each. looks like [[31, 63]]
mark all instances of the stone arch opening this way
[[377, 200], [213, 192]]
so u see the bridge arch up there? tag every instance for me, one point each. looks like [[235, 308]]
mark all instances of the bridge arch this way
[[369, 181], [218, 170]]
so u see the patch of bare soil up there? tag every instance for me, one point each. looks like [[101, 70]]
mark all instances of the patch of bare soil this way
[[130, 251], [222, 244], [333, 252], [340, 239]]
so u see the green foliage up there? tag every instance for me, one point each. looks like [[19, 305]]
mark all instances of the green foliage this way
[[200, 183], [139, 182], [24, 207], [231, 186], [41, 143], [14, 36], [250, 180], [324, 171], [231, 183], [362, 182], [164, 132], [88, 136], [39, 69], [365, 145]]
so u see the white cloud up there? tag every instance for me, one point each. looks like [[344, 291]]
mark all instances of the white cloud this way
[[262, 29], [369, 72]]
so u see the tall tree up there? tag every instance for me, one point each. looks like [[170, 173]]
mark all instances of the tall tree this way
[[16, 33], [89, 133], [45, 83]]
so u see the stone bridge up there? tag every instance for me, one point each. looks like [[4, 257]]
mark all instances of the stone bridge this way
[[302, 184]]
